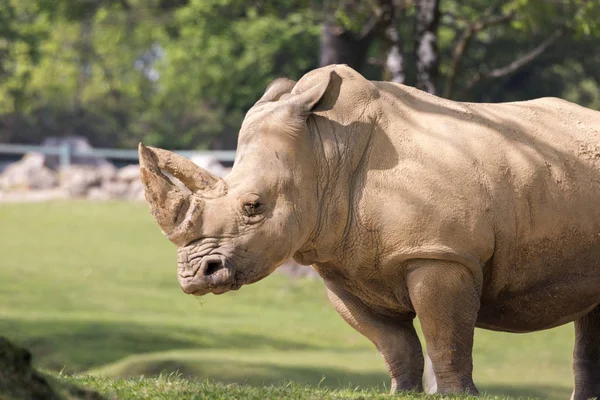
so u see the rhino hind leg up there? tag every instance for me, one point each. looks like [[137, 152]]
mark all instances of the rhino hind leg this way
[[586, 356], [396, 340]]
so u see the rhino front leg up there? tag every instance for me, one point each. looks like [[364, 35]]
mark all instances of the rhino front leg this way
[[586, 357], [446, 300], [396, 340]]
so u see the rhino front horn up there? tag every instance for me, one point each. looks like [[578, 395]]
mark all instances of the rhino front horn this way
[[166, 200], [196, 179], [168, 203]]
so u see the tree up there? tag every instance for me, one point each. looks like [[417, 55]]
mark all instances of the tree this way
[[90, 79], [469, 30], [226, 52], [182, 73], [426, 49], [351, 26], [542, 22], [21, 33]]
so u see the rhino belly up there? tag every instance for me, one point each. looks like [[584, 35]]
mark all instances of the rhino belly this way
[[542, 289], [537, 310]]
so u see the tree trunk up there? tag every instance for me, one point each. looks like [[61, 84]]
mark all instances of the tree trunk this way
[[427, 20], [85, 53], [394, 61], [339, 46]]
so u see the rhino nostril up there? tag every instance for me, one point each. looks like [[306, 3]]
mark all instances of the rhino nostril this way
[[212, 267]]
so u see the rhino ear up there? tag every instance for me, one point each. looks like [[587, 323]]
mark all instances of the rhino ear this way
[[276, 89], [317, 97]]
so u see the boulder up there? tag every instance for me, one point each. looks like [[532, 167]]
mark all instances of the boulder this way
[[129, 173], [75, 144], [86, 177], [116, 190], [77, 179], [29, 173], [98, 194], [135, 191], [108, 172], [210, 164]]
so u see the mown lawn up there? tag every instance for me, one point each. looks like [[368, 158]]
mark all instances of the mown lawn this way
[[91, 289]]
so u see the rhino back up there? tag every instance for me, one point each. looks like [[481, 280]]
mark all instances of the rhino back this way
[[511, 189]]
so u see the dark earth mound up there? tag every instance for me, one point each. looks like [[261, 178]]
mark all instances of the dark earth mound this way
[[20, 381]]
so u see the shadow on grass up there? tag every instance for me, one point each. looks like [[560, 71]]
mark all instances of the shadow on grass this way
[[261, 374], [257, 374], [76, 346]]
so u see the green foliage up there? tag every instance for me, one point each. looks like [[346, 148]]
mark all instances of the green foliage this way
[[352, 15], [182, 74], [22, 31], [174, 77], [498, 45], [587, 18], [581, 16], [85, 81], [227, 52]]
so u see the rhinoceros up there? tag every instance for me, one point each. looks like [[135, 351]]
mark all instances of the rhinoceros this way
[[406, 204]]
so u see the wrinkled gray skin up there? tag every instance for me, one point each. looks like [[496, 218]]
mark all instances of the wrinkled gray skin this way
[[467, 215]]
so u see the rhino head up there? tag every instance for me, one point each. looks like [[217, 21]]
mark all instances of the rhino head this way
[[237, 230]]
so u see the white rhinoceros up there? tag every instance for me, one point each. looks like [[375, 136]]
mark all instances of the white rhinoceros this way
[[465, 215]]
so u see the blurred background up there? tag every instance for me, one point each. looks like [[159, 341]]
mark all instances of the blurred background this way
[[182, 73], [88, 283]]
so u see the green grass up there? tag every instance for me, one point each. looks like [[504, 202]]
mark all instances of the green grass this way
[[175, 387], [91, 289]]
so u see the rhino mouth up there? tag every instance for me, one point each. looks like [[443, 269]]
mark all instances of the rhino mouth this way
[[214, 274], [217, 275]]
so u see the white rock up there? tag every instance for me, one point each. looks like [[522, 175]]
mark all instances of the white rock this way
[[98, 194], [129, 173], [79, 179], [108, 172], [135, 191], [29, 173], [115, 190], [210, 164]]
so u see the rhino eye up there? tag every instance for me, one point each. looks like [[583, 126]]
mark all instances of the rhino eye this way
[[252, 208]]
